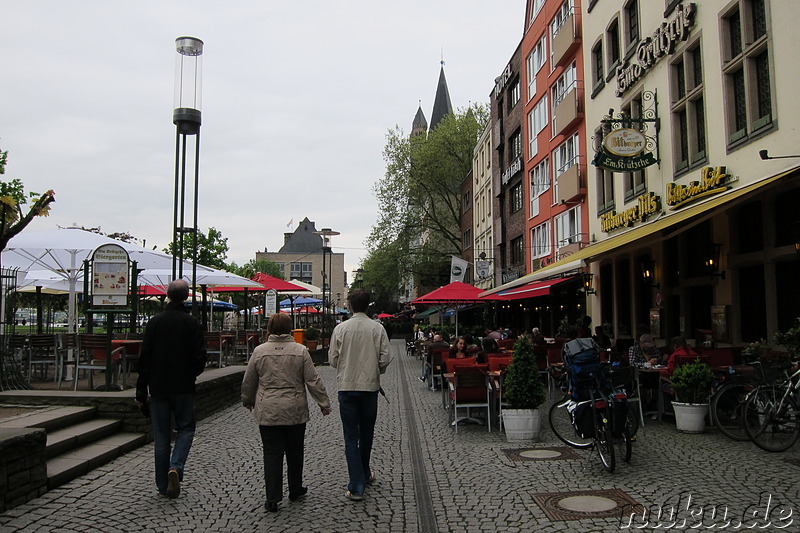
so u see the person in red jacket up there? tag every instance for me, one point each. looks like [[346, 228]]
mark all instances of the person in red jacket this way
[[680, 349]]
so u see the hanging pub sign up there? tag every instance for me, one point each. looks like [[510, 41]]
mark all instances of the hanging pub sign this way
[[110, 276], [623, 150]]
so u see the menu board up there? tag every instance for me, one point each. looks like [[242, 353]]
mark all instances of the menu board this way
[[110, 276]]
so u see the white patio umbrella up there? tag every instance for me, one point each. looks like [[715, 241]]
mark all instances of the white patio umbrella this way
[[62, 252]]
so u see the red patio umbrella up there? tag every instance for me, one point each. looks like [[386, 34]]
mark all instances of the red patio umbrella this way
[[455, 293], [385, 315], [267, 282]]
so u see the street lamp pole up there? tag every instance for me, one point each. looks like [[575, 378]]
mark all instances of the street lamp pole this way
[[186, 116], [326, 234]]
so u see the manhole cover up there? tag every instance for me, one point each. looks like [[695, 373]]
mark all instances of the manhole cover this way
[[581, 504], [587, 504], [552, 453], [540, 454]]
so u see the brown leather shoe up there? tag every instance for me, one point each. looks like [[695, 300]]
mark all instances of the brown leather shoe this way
[[173, 483]]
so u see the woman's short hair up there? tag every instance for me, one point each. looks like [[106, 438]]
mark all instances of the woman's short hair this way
[[280, 324]]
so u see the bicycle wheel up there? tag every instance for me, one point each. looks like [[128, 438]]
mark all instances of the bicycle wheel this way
[[603, 440], [561, 424], [623, 446], [632, 423], [771, 421], [727, 410]]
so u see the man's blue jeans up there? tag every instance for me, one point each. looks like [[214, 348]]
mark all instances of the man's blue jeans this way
[[358, 410], [162, 409]]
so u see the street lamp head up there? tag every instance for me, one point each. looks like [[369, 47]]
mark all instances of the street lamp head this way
[[188, 84]]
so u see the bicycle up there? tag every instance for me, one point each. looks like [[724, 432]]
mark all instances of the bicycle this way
[[772, 416], [727, 403], [601, 434]]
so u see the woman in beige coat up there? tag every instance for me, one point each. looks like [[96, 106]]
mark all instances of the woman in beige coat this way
[[274, 389]]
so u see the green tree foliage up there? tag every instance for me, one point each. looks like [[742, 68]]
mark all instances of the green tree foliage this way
[[212, 248], [419, 202], [264, 266], [13, 219]]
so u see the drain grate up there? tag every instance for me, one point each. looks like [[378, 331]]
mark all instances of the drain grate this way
[[552, 453], [586, 504]]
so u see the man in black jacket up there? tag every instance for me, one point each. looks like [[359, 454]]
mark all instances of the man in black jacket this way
[[173, 355]]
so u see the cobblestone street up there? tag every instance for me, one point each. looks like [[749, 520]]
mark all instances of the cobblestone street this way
[[429, 479]]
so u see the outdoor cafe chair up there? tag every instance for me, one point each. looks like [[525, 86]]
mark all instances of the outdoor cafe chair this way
[[91, 357], [215, 346], [469, 389], [42, 352], [67, 348]]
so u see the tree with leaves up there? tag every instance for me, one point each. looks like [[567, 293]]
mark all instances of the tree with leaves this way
[[212, 248], [419, 202], [254, 266], [13, 218]]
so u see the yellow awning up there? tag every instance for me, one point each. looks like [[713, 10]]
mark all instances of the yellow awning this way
[[642, 231]]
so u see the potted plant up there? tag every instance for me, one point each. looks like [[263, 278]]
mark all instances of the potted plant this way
[[692, 385], [312, 335], [524, 392]]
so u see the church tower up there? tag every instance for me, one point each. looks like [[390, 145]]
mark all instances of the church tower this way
[[441, 104]]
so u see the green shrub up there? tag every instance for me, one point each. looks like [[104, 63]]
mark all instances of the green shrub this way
[[692, 382], [312, 333], [523, 387]]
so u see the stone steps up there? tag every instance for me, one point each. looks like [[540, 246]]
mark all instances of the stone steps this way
[[77, 441]]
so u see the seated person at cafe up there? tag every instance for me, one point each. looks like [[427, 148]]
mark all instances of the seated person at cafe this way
[[600, 337], [645, 351], [680, 349], [437, 344], [459, 349], [489, 346]]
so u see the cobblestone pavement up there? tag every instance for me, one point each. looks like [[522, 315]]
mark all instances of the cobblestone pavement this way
[[429, 479]]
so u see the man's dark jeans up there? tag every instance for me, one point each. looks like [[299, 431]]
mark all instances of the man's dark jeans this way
[[358, 410], [162, 409]]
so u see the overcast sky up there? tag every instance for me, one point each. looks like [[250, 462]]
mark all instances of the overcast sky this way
[[297, 100]]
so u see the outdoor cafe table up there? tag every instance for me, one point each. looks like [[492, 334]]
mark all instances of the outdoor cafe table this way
[[132, 348]]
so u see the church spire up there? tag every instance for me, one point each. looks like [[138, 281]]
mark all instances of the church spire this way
[[420, 125], [441, 104]]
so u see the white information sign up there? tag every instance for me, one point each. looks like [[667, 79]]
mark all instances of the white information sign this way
[[110, 276], [271, 302]]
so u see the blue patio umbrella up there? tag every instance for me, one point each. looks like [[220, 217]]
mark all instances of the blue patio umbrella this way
[[219, 305], [300, 301]]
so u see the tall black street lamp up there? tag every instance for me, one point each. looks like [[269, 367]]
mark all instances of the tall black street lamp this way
[[326, 234], [186, 117]]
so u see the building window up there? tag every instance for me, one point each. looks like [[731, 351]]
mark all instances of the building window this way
[[746, 70], [605, 181], [539, 182], [302, 271], [565, 155], [632, 24], [516, 145], [634, 182], [598, 74], [561, 17], [563, 85], [687, 107], [516, 197], [537, 120], [540, 241], [540, 179], [514, 95], [467, 239], [517, 251], [568, 227], [281, 267], [536, 6], [612, 45], [536, 60]]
